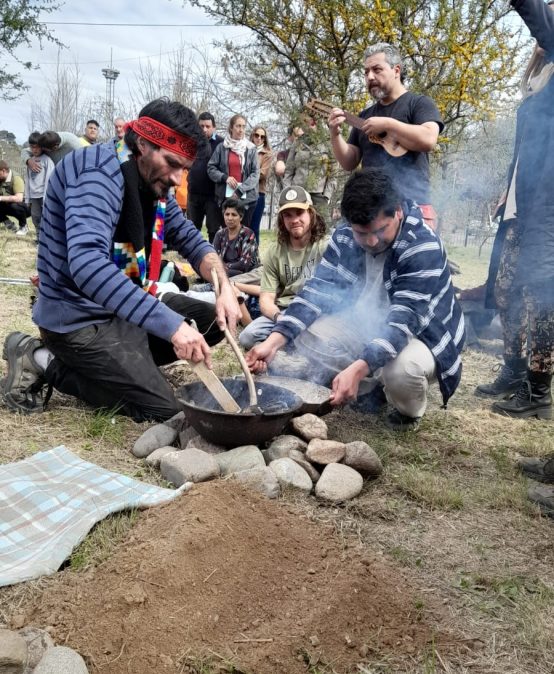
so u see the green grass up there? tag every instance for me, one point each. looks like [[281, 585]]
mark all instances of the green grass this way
[[430, 489], [102, 541], [104, 425]]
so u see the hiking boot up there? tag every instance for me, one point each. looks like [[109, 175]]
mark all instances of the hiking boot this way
[[22, 231], [24, 381], [543, 497], [399, 422], [510, 377], [370, 403], [538, 469], [532, 399]]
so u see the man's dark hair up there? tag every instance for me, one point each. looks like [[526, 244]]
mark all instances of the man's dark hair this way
[[49, 140], [368, 193], [317, 227], [174, 115], [233, 203], [33, 138], [206, 115], [92, 121], [4, 165]]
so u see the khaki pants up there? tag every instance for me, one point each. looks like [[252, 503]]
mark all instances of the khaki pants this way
[[332, 343]]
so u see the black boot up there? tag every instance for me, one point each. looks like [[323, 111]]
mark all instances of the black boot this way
[[532, 399], [508, 380]]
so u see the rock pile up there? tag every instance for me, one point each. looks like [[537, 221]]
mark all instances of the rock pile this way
[[31, 651], [305, 460]]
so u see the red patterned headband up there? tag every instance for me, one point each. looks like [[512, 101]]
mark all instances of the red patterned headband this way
[[162, 135]]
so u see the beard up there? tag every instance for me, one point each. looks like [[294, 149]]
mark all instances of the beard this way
[[377, 93]]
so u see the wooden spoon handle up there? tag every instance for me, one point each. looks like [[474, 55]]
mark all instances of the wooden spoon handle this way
[[238, 353]]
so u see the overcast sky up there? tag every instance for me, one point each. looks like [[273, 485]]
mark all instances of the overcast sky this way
[[90, 46]]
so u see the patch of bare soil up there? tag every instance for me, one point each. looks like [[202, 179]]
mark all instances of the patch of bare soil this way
[[221, 570]]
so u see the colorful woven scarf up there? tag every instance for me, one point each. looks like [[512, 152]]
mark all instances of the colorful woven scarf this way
[[129, 249]]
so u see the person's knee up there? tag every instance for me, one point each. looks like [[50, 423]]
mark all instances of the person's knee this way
[[247, 338], [405, 377]]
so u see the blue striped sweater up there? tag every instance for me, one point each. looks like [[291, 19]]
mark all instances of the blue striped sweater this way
[[418, 283], [79, 283]]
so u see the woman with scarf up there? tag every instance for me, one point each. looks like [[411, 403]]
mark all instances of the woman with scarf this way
[[234, 168], [265, 156], [524, 282]]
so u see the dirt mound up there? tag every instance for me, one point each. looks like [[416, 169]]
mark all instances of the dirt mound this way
[[224, 571]]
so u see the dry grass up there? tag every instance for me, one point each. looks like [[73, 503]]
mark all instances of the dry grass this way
[[450, 508]]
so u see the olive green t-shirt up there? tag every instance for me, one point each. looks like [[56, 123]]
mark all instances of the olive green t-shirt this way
[[286, 270], [12, 185]]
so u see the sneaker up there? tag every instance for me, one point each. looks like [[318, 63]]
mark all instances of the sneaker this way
[[22, 231], [538, 469], [24, 381], [399, 422], [544, 497]]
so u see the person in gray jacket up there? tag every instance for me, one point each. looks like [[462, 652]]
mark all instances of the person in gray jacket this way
[[310, 164], [234, 168]]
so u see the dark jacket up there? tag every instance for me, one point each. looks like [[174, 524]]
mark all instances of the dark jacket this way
[[218, 170], [198, 180], [534, 152]]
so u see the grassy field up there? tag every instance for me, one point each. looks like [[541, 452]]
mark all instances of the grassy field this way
[[450, 509]]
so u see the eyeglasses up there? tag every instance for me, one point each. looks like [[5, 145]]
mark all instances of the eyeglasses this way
[[261, 136]]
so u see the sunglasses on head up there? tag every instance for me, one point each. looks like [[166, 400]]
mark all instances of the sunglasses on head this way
[[259, 135]]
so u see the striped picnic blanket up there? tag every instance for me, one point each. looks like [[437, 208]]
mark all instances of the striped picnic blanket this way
[[50, 501]]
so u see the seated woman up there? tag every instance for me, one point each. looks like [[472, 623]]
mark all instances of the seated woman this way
[[236, 245]]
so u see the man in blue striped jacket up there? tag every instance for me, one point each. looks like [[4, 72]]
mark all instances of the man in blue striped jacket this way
[[105, 223], [380, 309]]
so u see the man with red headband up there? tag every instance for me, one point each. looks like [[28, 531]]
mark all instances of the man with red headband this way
[[104, 332]]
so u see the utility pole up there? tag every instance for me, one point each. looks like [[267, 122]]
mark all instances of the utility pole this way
[[111, 75]]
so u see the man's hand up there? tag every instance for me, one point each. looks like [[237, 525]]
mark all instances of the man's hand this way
[[344, 388], [34, 165], [232, 182], [335, 121], [375, 126], [189, 344], [259, 357], [227, 310]]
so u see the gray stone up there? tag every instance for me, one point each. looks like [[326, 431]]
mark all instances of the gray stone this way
[[13, 652], [301, 460], [177, 422], [185, 435], [198, 442], [154, 437], [157, 455], [263, 480], [288, 442], [273, 453], [308, 426], [325, 451], [360, 456], [61, 660], [188, 465], [338, 483], [38, 642], [240, 458], [290, 474]]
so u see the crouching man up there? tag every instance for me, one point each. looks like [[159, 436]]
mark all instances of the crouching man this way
[[104, 332], [379, 314]]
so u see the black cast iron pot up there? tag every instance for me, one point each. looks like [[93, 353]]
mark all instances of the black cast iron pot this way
[[204, 414]]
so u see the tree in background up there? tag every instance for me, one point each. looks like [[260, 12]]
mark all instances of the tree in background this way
[[459, 53], [20, 25]]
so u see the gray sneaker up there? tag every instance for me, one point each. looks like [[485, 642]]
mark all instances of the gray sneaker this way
[[23, 384]]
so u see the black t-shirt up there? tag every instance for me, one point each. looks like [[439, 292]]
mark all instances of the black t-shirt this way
[[411, 171]]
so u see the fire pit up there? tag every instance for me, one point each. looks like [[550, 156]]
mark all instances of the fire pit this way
[[278, 406]]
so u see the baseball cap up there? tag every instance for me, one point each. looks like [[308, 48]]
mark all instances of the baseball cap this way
[[294, 197]]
